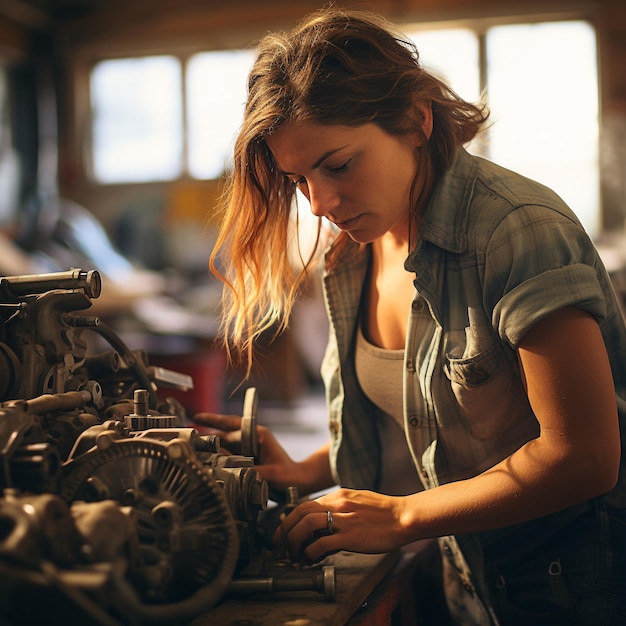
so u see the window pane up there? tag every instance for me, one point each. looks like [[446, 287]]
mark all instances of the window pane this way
[[216, 94], [137, 119], [452, 54], [543, 94]]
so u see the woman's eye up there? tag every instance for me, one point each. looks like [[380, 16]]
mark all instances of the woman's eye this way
[[340, 168]]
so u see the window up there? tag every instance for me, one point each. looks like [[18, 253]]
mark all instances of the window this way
[[137, 115], [542, 90], [136, 119], [452, 54], [540, 79], [216, 94], [543, 93]]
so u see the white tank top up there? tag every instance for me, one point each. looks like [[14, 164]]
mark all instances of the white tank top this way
[[380, 373]]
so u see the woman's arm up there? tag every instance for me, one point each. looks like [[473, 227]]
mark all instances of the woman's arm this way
[[309, 475], [576, 457]]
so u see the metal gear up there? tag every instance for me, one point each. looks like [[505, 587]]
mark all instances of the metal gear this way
[[187, 536]]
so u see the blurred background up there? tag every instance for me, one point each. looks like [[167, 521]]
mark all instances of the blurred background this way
[[116, 125]]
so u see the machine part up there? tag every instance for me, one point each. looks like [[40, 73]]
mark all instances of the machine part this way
[[129, 357], [29, 460], [244, 441], [49, 402], [10, 371], [168, 378], [42, 351], [187, 537], [323, 582], [49, 565], [108, 508], [16, 286], [141, 419], [249, 438], [35, 528], [109, 531], [35, 466]]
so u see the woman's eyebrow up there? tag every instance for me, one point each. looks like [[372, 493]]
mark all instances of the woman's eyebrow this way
[[319, 161]]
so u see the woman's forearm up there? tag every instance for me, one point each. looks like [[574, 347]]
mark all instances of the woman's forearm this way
[[536, 480], [315, 474]]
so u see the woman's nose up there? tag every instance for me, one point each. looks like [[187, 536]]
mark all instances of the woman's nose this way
[[323, 199]]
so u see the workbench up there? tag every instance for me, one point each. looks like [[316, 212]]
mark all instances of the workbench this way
[[371, 590]]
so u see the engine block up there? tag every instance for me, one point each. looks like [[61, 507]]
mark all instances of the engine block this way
[[113, 505]]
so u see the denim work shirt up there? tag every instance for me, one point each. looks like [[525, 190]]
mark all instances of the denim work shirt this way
[[496, 253]]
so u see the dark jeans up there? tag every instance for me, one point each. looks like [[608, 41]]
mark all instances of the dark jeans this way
[[573, 574]]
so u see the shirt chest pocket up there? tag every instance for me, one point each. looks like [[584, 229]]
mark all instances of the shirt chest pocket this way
[[485, 383]]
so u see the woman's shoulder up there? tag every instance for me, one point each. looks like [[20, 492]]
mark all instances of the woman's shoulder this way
[[503, 191], [477, 199]]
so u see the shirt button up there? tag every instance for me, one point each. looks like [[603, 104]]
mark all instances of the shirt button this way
[[410, 365], [417, 305], [414, 421], [469, 587]]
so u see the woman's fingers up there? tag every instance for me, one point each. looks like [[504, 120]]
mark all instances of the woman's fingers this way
[[308, 533], [225, 423], [353, 520], [226, 427]]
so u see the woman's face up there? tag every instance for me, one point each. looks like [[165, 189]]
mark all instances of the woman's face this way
[[359, 178]]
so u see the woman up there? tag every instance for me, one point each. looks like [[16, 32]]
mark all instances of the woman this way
[[475, 372]]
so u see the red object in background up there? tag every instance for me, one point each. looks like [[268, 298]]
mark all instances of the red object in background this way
[[208, 372]]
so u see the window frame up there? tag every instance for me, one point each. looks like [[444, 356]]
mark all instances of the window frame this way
[[407, 23], [107, 200]]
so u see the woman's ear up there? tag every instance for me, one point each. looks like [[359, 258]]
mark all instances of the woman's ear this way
[[426, 110]]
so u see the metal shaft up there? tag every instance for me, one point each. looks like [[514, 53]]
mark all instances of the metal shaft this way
[[323, 582]]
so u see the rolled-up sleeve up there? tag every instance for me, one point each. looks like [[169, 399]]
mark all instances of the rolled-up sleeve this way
[[538, 262], [573, 285]]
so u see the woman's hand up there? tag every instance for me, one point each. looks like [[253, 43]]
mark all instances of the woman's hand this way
[[273, 464], [357, 521]]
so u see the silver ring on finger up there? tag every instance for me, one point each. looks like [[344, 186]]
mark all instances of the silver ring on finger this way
[[329, 522]]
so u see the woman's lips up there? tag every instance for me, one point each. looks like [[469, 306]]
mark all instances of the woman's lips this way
[[347, 224]]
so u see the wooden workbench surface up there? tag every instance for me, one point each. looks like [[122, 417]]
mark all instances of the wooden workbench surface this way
[[357, 575]]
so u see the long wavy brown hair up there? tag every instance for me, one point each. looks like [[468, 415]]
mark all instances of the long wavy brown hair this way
[[336, 67]]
